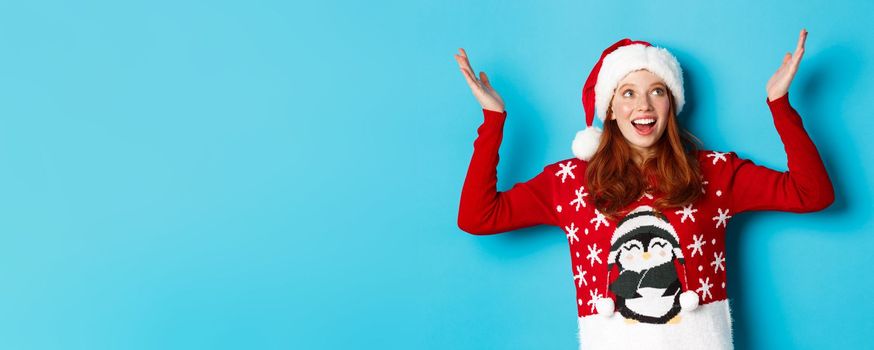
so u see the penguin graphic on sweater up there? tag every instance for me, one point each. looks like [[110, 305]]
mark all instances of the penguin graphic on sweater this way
[[644, 247]]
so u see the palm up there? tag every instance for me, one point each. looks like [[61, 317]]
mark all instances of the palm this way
[[779, 83], [482, 88]]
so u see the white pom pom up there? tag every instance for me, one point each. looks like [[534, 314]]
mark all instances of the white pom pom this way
[[688, 300], [586, 143], [604, 306]]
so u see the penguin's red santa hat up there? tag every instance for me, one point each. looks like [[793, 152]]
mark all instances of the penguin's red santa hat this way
[[621, 58]]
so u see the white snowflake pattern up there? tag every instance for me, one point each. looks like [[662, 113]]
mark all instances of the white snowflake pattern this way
[[579, 200], [645, 194], [566, 170], [687, 212], [705, 288], [722, 218], [599, 219], [717, 156], [593, 254], [595, 296], [718, 262], [580, 277], [703, 191], [572, 233], [696, 247]]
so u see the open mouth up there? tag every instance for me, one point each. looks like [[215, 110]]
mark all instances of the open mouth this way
[[644, 126]]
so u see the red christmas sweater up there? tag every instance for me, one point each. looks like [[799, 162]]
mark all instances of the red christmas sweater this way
[[677, 250]]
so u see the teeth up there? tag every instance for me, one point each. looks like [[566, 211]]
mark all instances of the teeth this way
[[644, 121]]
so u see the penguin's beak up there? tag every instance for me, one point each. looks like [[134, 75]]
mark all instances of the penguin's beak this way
[[646, 256]]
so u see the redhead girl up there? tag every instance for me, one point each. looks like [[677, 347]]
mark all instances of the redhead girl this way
[[643, 209]]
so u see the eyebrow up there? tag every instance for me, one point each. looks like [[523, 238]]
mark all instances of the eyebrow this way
[[653, 84]]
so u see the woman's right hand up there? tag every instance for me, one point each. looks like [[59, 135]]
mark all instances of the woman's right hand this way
[[482, 89]]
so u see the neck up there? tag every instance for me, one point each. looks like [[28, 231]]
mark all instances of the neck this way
[[639, 155]]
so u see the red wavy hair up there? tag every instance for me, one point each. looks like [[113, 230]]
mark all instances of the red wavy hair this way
[[672, 172]]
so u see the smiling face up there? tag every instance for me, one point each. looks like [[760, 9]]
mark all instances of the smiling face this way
[[645, 252], [641, 106]]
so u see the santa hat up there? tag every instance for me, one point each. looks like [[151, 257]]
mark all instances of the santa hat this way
[[621, 58], [645, 218]]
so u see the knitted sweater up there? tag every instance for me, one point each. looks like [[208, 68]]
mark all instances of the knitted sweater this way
[[646, 260]]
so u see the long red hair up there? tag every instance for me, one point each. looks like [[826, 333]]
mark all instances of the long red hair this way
[[672, 172]]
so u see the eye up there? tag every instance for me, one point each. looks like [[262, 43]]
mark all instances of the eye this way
[[658, 91], [632, 246], [627, 93], [658, 244]]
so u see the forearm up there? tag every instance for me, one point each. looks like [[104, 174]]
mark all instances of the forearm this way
[[807, 173], [805, 187], [485, 210], [479, 192]]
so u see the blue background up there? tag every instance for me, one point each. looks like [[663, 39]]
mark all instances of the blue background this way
[[275, 175]]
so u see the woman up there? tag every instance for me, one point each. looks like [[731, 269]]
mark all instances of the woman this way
[[643, 210]]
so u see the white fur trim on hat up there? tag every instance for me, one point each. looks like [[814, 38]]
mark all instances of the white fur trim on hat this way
[[634, 57], [586, 143]]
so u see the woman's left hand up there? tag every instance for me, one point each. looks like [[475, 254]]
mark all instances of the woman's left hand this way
[[778, 85]]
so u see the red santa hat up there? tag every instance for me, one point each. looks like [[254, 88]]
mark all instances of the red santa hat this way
[[621, 58]]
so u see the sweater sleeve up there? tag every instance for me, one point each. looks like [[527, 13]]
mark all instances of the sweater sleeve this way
[[483, 210], [805, 187]]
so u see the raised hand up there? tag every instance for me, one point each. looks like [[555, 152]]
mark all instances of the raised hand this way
[[482, 89], [779, 83]]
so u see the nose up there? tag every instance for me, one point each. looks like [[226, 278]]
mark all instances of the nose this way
[[646, 256], [643, 103]]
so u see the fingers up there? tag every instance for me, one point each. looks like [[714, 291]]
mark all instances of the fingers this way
[[786, 58], [461, 60], [474, 85], [471, 81], [802, 36], [485, 79], [462, 64], [799, 50], [466, 60], [467, 71]]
